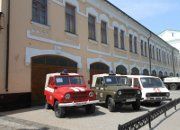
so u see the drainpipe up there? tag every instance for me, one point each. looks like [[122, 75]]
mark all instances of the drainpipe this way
[[7, 49], [149, 49]]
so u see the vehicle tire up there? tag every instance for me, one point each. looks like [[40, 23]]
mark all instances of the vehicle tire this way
[[173, 86], [47, 106], [167, 86], [90, 109], [111, 104], [59, 111], [136, 105]]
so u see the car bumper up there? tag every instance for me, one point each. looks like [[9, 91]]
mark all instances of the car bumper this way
[[74, 104], [156, 99]]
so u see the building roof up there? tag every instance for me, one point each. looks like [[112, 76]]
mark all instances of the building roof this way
[[137, 22]]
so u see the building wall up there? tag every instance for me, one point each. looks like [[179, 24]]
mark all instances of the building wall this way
[[3, 31], [28, 39]]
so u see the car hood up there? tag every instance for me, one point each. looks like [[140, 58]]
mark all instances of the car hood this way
[[154, 90], [72, 89], [116, 88]]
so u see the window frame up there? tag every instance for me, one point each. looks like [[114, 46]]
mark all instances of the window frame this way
[[37, 11], [90, 34], [135, 45], [130, 42], [116, 39], [70, 17], [122, 39], [103, 32]]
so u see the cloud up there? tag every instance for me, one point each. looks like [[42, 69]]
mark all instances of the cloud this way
[[140, 9]]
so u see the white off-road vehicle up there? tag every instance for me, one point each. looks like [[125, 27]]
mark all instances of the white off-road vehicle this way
[[172, 83]]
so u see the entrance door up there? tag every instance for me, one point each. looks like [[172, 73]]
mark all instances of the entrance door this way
[[98, 68], [43, 65]]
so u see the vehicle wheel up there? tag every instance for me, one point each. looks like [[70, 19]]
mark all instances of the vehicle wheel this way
[[173, 87], [111, 104], [167, 86], [136, 105], [90, 109], [59, 111], [47, 106]]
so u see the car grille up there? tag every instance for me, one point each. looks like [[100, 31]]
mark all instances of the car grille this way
[[129, 93], [155, 94], [79, 96]]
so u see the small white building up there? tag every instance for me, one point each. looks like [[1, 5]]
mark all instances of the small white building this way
[[172, 37]]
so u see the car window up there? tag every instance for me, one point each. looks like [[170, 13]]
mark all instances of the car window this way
[[136, 82], [110, 80], [76, 80], [151, 82], [99, 81], [62, 81], [122, 80]]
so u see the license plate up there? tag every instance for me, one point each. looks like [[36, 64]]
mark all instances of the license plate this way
[[131, 100], [80, 103]]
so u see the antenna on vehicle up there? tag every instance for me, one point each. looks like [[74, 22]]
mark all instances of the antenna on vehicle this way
[[112, 73], [65, 71]]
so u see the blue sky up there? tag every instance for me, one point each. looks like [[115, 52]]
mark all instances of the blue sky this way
[[156, 15]]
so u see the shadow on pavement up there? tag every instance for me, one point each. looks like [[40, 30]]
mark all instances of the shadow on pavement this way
[[164, 119], [80, 112], [126, 109], [5, 113]]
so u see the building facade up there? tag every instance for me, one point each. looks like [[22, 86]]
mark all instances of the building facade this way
[[84, 36]]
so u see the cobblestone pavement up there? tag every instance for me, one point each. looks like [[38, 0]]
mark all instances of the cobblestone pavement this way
[[38, 118]]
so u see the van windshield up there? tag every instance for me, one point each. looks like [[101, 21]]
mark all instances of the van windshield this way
[[65, 80], [116, 80], [150, 82]]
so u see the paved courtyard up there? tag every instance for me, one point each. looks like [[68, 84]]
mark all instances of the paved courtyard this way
[[39, 118]]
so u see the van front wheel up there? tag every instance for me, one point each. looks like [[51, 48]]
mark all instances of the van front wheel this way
[[59, 111], [136, 105], [111, 104]]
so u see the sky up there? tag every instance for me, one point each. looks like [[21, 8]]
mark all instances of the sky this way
[[156, 15]]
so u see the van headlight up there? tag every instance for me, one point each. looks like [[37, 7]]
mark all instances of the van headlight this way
[[119, 92], [91, 94], [167, 94], [67, 96], [138, 92]]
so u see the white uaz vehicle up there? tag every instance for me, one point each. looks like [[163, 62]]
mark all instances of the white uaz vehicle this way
[[152, 88]]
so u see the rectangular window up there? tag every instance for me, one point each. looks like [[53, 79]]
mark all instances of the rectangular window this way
[[130, 43], [142, 49], [151, 56], [122, 39], [153, 53], [116, 37], [157, 53], [135, 44], [92, 27], [70, 19], [145, 49], [39, 11], [103, 32]]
